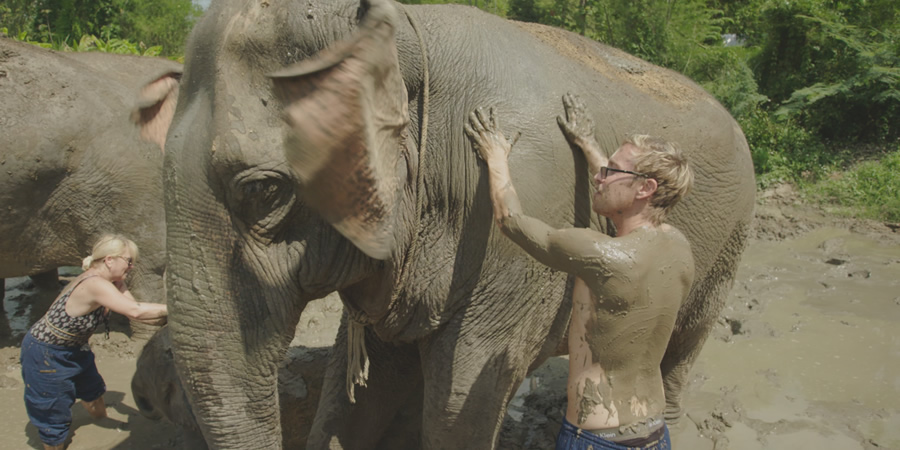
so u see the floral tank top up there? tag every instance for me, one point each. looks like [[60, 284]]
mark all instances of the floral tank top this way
[[57, 327]]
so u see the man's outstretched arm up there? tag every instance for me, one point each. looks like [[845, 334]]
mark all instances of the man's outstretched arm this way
[[494, 149], [566, 250], [578, 128]]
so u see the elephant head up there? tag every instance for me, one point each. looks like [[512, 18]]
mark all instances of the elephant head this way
[[246, 251]]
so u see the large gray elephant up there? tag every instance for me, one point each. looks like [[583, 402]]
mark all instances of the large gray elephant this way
[[393, 210], [74, 165]]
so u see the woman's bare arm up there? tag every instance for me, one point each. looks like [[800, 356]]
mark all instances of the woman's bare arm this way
[[117, 298]]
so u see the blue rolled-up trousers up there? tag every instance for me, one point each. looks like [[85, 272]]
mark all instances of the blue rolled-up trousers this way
[[54, 377]]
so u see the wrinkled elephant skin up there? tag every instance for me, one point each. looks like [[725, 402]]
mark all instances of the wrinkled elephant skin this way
[[73, 166], [158, 392], [265, 216]]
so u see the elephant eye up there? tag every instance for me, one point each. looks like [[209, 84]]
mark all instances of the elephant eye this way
[[262, 201], [263, 188]]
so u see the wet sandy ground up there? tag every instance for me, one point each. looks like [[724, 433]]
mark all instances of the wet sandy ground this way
[[805, 356]]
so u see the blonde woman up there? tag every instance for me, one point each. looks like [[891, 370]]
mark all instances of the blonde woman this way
[[57, 363]]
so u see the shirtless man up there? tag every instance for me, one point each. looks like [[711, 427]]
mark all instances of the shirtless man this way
[[628, 288]]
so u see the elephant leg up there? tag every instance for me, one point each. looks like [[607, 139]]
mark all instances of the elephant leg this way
[[469, 380], [695, 321], [48, 280], [387, 412]]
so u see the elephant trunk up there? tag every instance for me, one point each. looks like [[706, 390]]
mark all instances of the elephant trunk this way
[[233, 388], [226, 343]]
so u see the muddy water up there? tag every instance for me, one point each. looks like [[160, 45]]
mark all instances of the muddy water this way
[[806, 355]]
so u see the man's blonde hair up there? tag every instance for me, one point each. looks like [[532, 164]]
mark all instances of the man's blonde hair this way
[[110, 245], [667, 164]]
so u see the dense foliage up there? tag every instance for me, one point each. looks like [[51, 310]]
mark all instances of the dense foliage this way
[[871, 189], [806, 79], [121, 26]]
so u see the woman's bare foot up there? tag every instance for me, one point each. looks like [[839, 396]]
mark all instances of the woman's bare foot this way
[[96, 408]]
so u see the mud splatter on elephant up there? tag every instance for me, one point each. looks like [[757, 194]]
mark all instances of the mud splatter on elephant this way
[[389, 207], [72, 164]]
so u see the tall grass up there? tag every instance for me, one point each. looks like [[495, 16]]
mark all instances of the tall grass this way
[[869, 189]]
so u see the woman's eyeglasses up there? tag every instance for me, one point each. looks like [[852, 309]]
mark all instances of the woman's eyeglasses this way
[[604, 172], [130, 261]]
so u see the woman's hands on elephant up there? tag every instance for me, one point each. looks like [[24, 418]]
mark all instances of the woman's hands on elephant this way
[[489, 141], [157, 322], [577, 126]]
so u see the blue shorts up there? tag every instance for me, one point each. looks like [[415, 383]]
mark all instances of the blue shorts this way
[[54, 377], [573, 438]]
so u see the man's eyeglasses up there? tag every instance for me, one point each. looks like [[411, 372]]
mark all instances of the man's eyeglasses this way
[[130, 261], [604, 172]]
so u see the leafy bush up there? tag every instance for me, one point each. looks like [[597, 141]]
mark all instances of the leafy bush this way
[[833, 67], [90, 42], [869, 189], [60, 21], [790, 54], [17, 16], [23, 36], [858, 97], [783, 151], [724, 73], [125, 25], [166, 23]]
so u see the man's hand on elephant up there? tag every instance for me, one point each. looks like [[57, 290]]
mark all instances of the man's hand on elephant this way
[[577, 126], [486, 136]]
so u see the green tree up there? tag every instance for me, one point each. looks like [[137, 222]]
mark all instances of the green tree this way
[[67, 20], [833, 67], [18, 16], [133, 26], [166, 23]]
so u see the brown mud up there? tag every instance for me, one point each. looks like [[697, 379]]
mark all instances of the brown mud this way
[[805, 354]]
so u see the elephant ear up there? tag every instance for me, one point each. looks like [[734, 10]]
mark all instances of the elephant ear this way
[[347, 116], [156, 107]]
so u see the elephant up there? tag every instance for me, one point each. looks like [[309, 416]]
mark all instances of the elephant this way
[[371, 189], [74, 165]]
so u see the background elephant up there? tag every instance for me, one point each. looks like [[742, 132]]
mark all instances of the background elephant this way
[[452, 315], [74, 166]]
